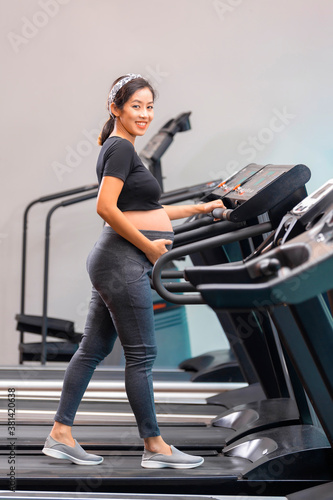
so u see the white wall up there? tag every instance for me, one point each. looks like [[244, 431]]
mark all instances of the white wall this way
[[237, 65]]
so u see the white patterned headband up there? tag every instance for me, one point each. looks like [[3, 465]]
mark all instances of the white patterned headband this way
[[115, 89]]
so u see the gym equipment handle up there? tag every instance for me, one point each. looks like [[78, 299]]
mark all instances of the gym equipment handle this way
[[222, 213], [188, 249]]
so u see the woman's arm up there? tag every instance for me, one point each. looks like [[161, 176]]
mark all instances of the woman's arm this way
[[181, 211], [107, 208]]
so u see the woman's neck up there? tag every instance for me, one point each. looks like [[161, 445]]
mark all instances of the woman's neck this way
[[120, 131]]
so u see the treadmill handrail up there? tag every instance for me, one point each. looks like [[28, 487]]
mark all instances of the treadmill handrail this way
[[65, 203], [43, 199], [206, 231], [189, 249], [251, 295]]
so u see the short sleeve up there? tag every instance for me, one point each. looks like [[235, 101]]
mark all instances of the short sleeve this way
[[118, 160]]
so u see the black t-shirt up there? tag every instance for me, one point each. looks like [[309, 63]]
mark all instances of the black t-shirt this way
[[118, 158]]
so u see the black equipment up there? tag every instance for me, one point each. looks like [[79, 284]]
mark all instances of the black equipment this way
[[268, 185], [306, 212], [278, 188], [296, 273], [156, 147], [55, 327], [243, 466], [253, 460]]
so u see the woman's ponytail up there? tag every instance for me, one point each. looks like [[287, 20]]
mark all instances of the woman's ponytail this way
[[106, 131]]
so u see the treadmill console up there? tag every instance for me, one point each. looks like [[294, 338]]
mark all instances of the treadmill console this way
[[258, 182], [234, 181], [273, 189]]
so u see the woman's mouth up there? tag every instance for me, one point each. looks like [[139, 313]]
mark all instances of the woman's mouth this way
[[141, 124]]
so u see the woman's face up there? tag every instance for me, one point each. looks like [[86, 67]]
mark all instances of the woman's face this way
[[137, 113]]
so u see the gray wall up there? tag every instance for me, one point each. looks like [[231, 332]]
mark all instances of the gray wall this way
[[256, 74]]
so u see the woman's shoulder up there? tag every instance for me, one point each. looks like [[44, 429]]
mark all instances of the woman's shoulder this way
[[115, 158], [116, 143]]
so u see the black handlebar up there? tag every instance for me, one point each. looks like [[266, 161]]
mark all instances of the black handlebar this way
[[70, 192], [222, 213], [206, 231], [78, 199], [188, 249]]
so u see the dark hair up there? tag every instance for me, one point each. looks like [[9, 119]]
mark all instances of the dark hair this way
[[121, 97]]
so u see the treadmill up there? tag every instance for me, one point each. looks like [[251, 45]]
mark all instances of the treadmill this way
[[289, 282], [265, 192], [200, 416], [295, 222], [288, 174], [219, 474], [317, 201]]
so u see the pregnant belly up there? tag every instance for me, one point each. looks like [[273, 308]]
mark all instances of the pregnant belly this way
[[157, 220]]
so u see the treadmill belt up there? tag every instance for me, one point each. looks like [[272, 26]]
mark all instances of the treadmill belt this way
[[40, 495], [122, 437], [43, 472], [42, 405], [106, 374]]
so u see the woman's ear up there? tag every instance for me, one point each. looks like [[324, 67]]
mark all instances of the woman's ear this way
[[114, 109]]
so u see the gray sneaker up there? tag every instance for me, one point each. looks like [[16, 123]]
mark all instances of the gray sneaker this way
[[75, 454], [178, 460]]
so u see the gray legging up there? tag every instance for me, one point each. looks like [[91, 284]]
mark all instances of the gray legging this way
[[121, 292]]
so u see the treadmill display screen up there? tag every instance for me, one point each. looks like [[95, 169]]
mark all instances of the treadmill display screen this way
[[237, 179], [262, 179]]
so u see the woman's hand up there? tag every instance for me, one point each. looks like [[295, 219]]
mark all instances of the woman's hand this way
[[180, 211], [206, 208], [156, 249]]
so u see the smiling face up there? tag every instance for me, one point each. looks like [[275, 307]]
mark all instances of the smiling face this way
[[135, 117]]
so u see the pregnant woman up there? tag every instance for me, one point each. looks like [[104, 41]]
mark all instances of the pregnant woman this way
[[137, 232]]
